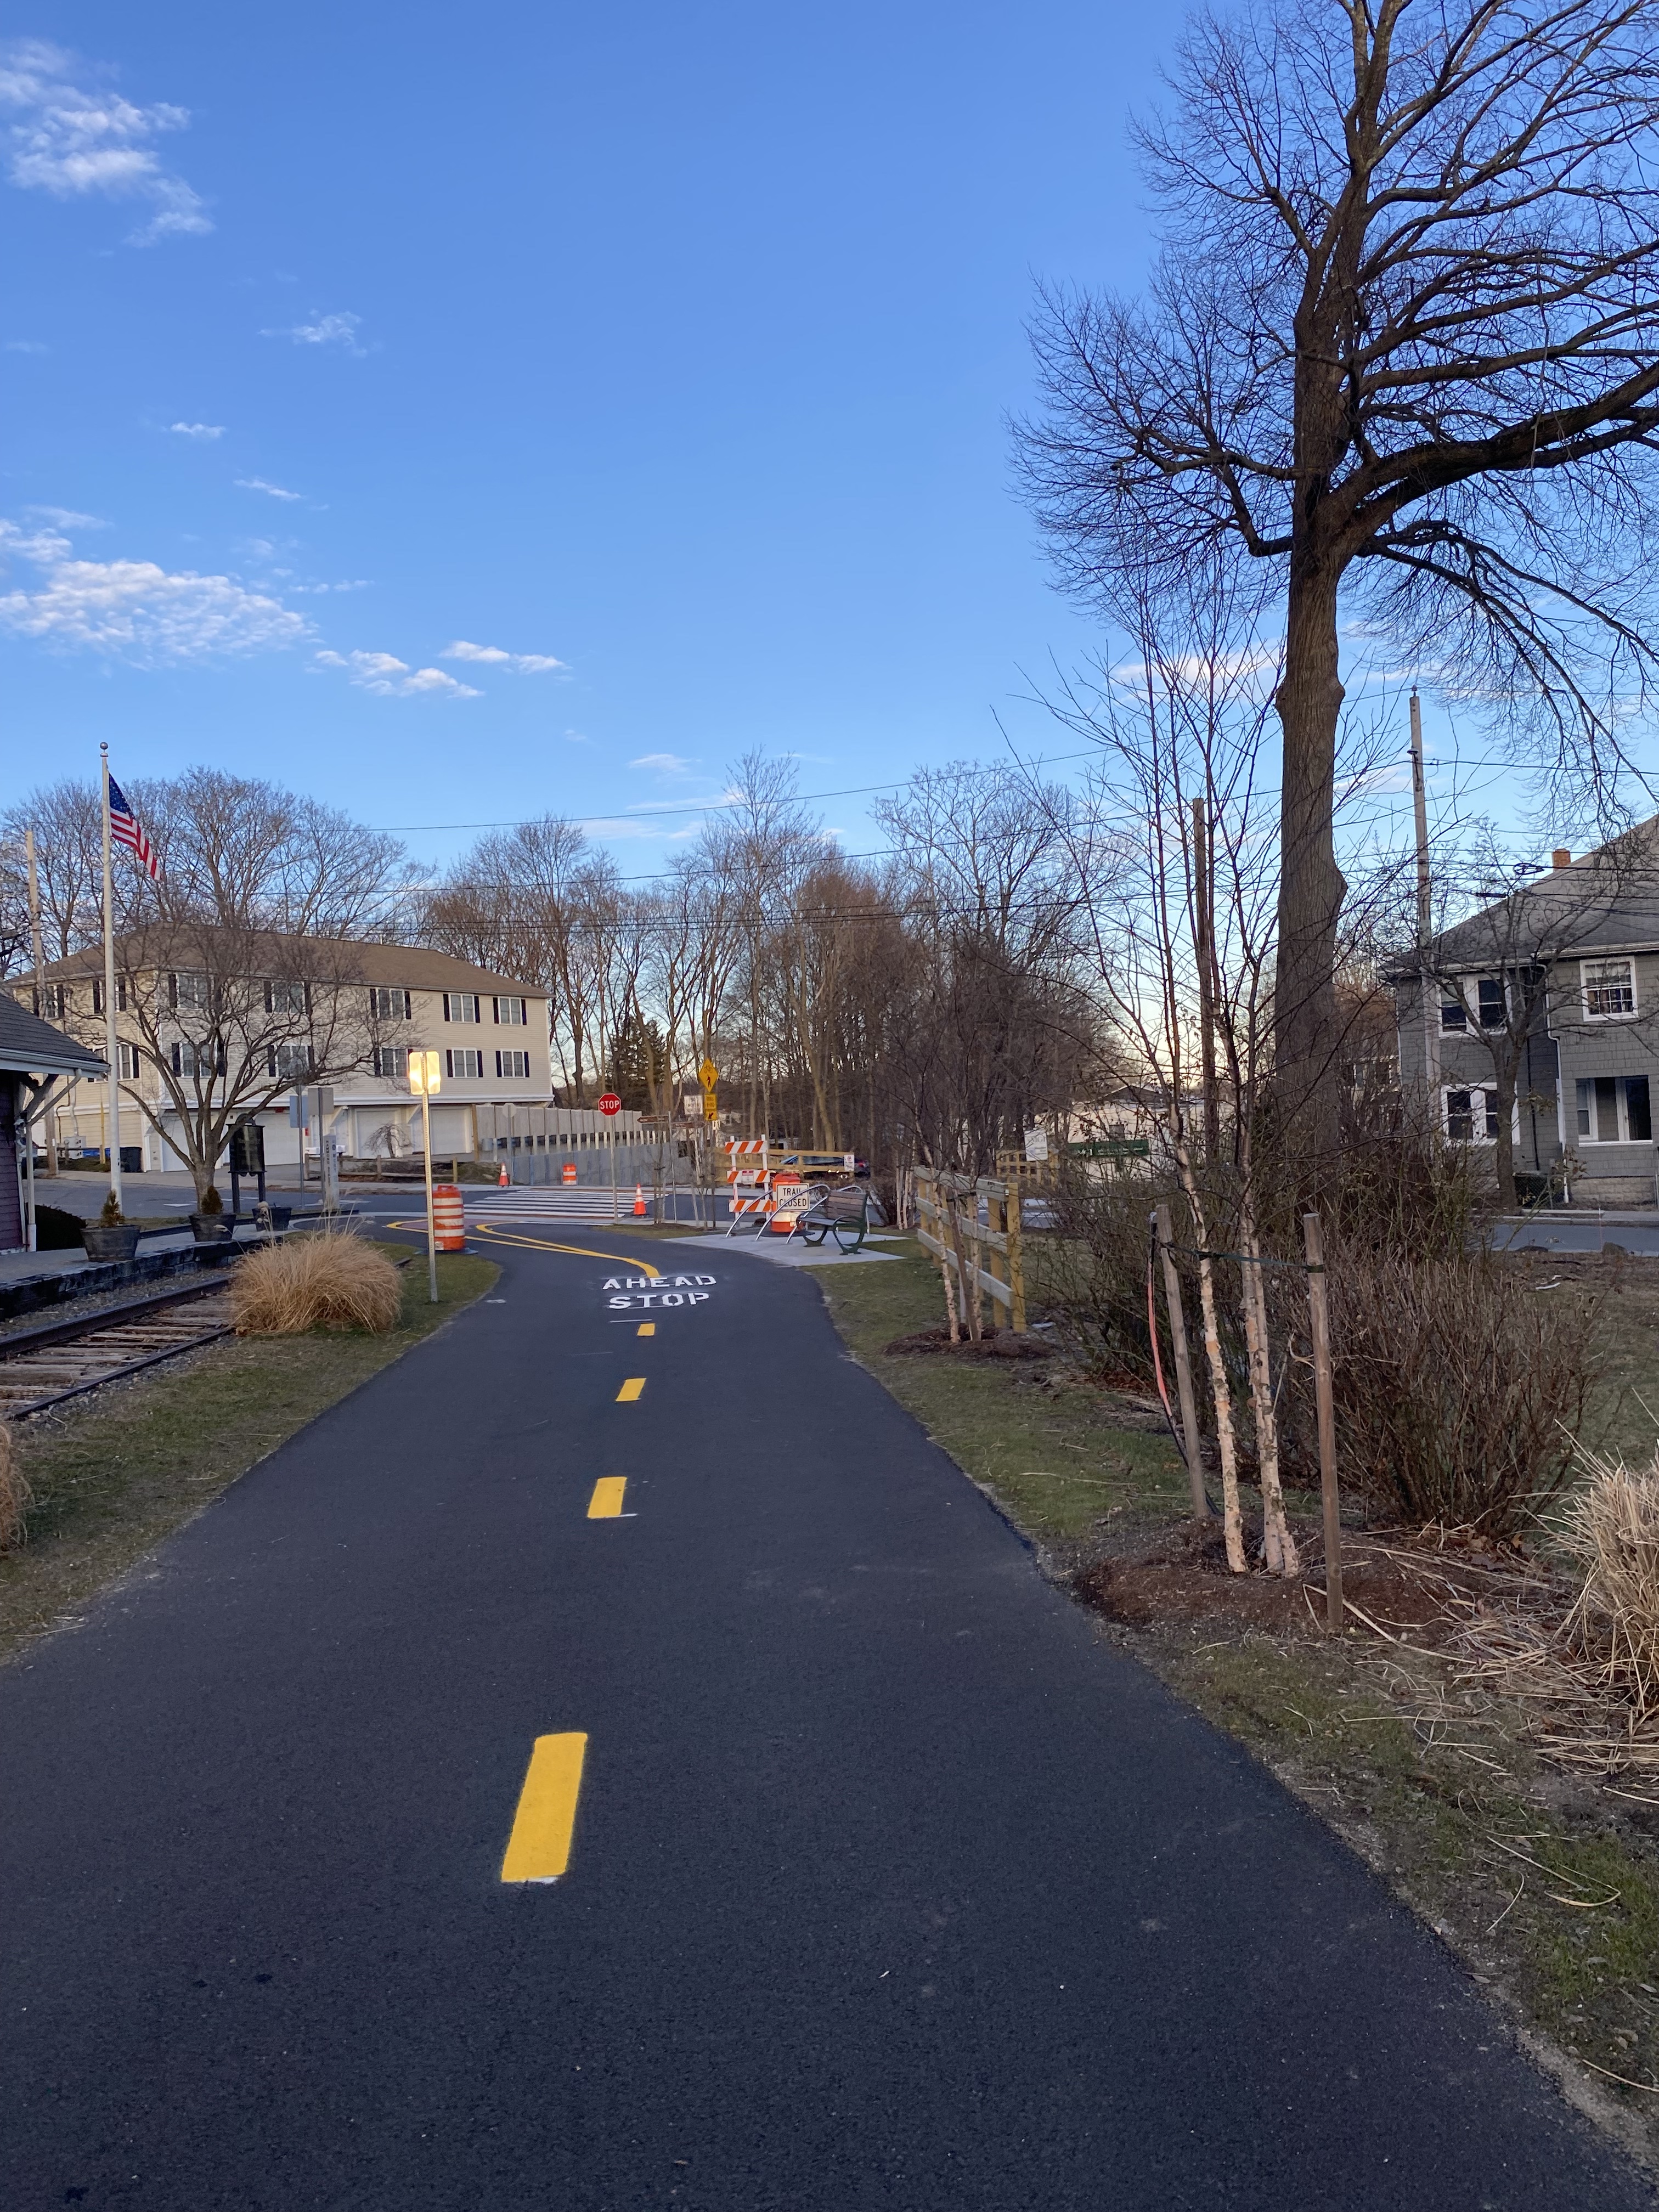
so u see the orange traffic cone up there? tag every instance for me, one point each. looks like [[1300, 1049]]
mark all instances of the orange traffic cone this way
[[504, 1178], [639, 1201]]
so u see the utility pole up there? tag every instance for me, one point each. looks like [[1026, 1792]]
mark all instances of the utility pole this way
[[112, 1046], [1425, 914], [1204, 947], [39, 950]]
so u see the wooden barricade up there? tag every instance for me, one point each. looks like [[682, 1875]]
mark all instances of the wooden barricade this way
[[948, 1224]]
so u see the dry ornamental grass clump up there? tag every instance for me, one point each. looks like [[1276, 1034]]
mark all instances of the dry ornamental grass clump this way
[[316, 1282], [1611, 1527]]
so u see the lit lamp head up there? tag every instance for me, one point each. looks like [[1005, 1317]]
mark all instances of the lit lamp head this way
[[423, 1073]]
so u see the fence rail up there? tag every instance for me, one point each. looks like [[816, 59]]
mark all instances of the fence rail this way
[[949, 1225]]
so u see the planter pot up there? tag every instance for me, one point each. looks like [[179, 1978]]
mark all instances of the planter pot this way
[[211, 1228], [104, 1243]]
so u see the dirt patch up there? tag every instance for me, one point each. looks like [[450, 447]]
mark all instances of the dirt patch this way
[[1397, 1583], [1004, 1345]]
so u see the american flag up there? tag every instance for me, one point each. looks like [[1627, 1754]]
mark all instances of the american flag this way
[[125, 829]]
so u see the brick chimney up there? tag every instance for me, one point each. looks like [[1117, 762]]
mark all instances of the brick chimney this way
[[1561, 858]]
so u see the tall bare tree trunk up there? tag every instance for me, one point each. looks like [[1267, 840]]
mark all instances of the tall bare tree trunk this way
[[1277, 1539], [1306, 1032], [1233, 1520]]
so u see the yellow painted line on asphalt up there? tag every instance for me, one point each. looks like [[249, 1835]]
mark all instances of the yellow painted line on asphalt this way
[[546, 1244], [538, 1849], [647, 1328], [630, 1389], [605, 1504]]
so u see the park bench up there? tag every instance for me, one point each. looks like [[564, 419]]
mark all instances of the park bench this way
[[845, 1213]]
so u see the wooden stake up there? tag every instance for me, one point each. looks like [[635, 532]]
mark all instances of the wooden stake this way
[[966, 1298], [1184, 1364], [1319, 1328], [1016, 1262]]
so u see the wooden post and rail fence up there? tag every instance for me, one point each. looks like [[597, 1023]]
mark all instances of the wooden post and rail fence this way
[[948, 1224]]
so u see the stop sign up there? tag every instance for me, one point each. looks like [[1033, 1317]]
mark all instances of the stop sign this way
[[609, 1104]]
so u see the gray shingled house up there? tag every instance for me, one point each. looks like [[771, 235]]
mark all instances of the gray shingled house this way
[[35, 1059], [1533, 1026]]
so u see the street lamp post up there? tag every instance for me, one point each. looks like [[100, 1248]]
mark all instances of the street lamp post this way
[[425, 1082]]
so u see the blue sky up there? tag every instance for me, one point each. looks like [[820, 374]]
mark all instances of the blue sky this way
[[672, 346]]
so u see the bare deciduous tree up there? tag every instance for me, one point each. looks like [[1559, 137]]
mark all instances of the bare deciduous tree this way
[[1402, 347]]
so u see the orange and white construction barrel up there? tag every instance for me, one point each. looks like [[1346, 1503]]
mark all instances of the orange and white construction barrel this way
[[448, 1217]]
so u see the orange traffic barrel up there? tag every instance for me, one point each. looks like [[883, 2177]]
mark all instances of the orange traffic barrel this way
[[789, 1197], [567, 1174], [448, 1217]]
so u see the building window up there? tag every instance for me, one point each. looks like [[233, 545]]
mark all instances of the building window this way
[[287, 998], [1454, 1015], [513, 1067], [464, 1064], [460, 1006], [291, 1062], [128, 1057], [1609, 990], [1494, 1013], [1614, 1109], [187, 988], [1471, 1116], [512, 1014], [53, 1003], [195, 1061], [388, 1002], [392, 1059]]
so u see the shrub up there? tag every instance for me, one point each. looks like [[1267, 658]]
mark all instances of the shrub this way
[[13, 1491], [111, 1215], [1459, 1391], [316, 1282]]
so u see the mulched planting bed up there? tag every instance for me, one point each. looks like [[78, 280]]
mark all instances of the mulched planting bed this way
[[1397, 1582]]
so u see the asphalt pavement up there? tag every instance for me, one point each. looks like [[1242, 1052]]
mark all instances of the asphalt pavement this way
[[882, 1880]]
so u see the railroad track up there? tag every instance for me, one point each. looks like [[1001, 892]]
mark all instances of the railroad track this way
[[40, 1367]]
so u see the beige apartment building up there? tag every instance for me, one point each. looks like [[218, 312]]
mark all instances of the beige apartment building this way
[[266, 1014]]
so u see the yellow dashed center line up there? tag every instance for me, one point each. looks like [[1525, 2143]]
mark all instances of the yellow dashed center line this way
[[630, 1389], [605, 1504], [647, 1328], [538, 1849]]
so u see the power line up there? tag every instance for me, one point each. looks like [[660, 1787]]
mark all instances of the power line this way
[[724, 803]]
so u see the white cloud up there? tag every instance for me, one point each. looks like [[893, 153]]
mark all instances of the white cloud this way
[[65, 517], [391, 678], [69, 141], [196, 429], [492, 656], [339, 330], [271, 490], [25, 345], [663, 763], [136, 611]]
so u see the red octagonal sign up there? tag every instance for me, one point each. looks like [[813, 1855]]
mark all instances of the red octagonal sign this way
[[609, 1104]]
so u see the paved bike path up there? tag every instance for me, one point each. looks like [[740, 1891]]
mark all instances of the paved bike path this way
[[893, 1885]]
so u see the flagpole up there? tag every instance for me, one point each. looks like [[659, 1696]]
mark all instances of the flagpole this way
[[110, 1047]]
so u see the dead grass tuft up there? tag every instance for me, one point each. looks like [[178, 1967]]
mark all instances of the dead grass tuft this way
[[14, 1493], [316, 1282]]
